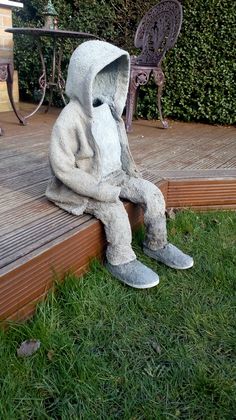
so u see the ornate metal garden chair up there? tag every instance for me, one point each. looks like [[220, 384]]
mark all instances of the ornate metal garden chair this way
[[6, 75], [156, 34]]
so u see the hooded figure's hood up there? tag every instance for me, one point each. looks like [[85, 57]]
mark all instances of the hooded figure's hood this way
[[98, 72]]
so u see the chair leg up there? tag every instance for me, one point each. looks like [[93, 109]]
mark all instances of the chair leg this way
[[139, 77], [130, 104], [160, 81]]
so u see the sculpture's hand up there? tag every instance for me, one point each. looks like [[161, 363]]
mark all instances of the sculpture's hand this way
[[133, 171]]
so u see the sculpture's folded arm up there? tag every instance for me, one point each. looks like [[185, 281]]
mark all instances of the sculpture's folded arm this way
[[62, 160]]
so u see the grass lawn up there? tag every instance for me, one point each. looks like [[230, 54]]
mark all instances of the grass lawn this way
[[112, 352]]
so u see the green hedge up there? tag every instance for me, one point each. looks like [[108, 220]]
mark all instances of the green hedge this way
[[200, 70]]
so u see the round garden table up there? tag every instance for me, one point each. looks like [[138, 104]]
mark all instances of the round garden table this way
[[52, 79]]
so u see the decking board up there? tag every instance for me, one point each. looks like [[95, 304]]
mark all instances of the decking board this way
[[209, 193]]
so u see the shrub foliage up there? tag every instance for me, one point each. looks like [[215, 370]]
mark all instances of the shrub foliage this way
[[199, 70]]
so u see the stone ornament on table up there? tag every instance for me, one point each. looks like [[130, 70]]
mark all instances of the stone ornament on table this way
[[93, 168], [50, 16]]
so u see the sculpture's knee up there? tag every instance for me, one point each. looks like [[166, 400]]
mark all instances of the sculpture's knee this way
[[154, 198], [115, 215], [160, 200], [115, 220]]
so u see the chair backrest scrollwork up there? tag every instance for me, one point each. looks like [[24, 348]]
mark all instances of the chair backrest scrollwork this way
[[158, 31]]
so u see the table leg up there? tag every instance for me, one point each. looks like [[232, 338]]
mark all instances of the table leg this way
[[51, 83], [42, 81], [130, 105], [61, 81], [10, 93]]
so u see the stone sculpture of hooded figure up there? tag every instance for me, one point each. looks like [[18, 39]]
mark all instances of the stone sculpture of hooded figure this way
[[93, 167]]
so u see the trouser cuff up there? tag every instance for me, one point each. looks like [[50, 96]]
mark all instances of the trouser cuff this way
[[117, 255]]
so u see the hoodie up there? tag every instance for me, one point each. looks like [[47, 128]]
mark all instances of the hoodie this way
[[88, 141]]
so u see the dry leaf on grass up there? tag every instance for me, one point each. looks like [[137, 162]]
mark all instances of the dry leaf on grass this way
[[50, 354]]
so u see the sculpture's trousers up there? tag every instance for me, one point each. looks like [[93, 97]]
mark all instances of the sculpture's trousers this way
[[116, 221]]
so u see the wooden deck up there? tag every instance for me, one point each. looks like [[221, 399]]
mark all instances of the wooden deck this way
[[194, 165]]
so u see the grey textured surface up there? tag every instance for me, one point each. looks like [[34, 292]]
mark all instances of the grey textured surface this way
[[116, 222], [134, 274], [85, 179], [92, 165], [171, 256], [74, 155]]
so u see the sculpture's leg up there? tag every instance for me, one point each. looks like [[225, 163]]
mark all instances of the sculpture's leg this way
[[10, 94], [121, 259], [138, 77], [151, 199], [160, 81], [1, 132], [117, 228]]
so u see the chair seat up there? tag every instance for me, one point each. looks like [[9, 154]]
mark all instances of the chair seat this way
[[145, 66]]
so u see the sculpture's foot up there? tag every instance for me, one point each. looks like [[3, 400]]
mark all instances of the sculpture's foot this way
[[134, 274], [170, 256]]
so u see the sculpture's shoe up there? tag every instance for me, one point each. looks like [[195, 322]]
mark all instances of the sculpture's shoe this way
[[134, 274], [170, 256]]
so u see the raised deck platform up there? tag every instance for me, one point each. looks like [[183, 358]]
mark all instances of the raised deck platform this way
[[193, 164]]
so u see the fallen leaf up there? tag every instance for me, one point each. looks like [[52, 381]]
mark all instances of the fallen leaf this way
[[173, 231], [50, 354], [28, 347]]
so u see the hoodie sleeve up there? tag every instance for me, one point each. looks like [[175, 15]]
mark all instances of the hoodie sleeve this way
[[62, 159]]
